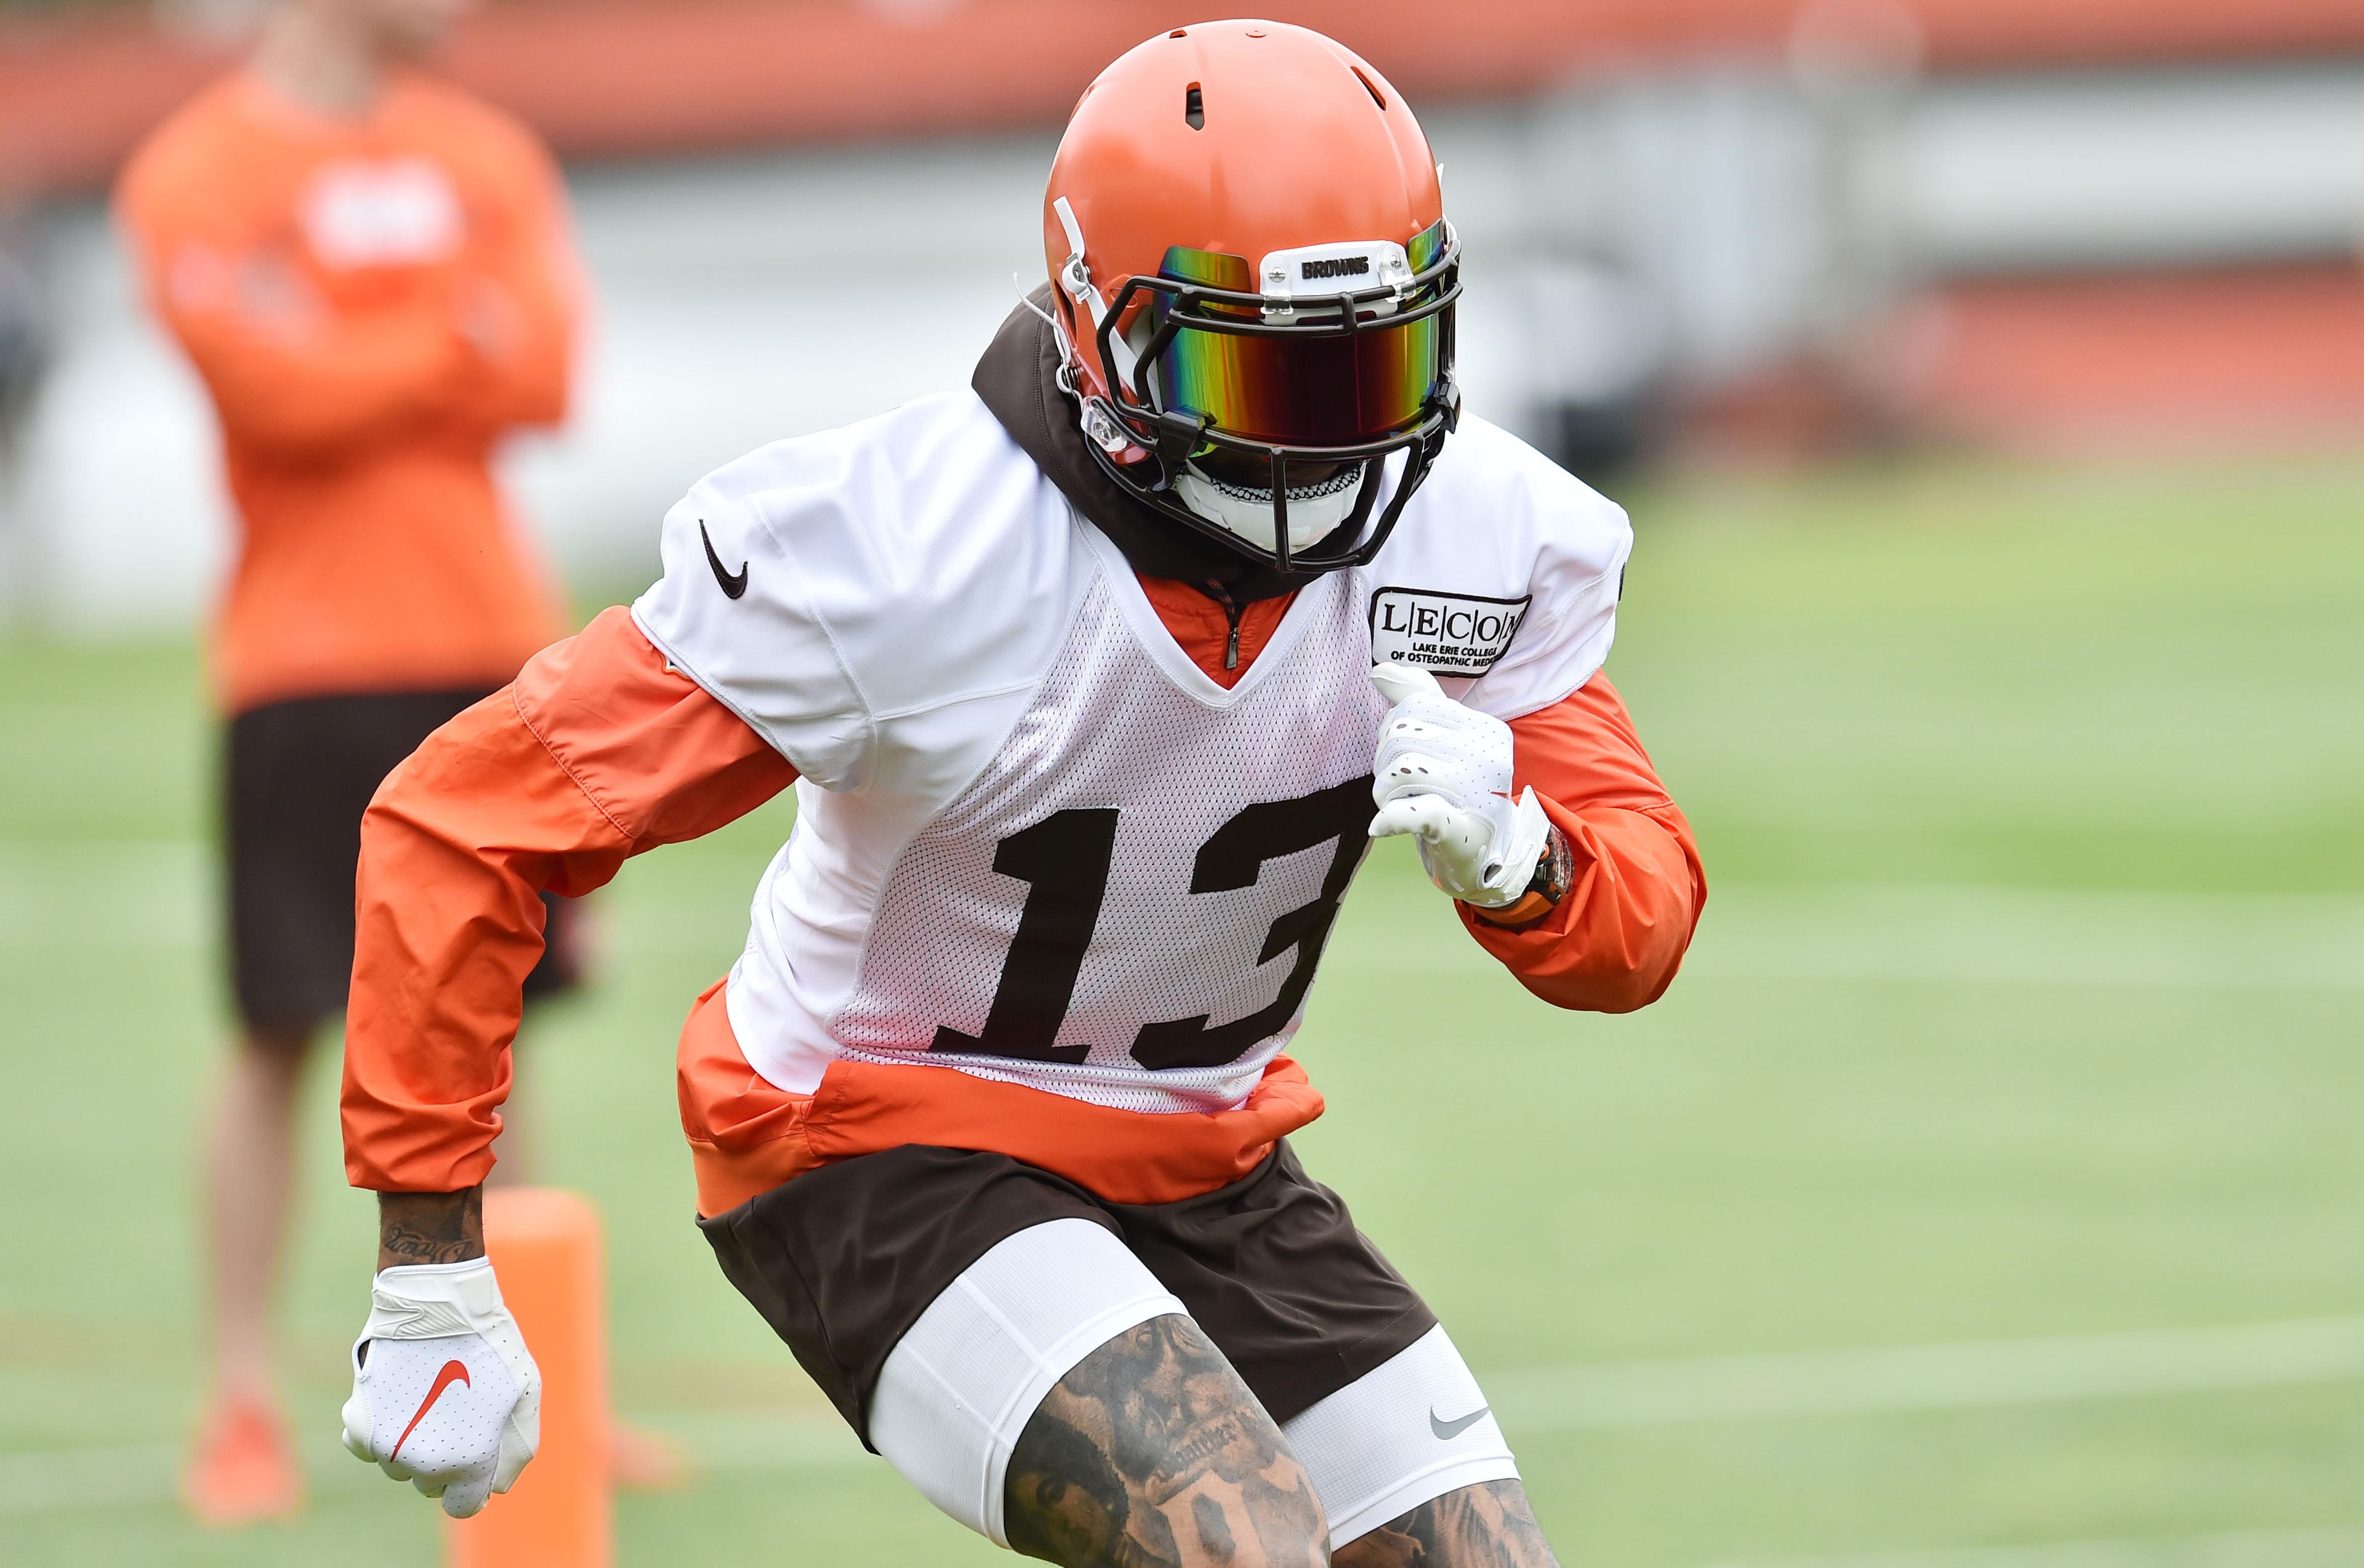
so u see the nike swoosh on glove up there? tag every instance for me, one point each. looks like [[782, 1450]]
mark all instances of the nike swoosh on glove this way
[[1443, 774], [445, 1396]]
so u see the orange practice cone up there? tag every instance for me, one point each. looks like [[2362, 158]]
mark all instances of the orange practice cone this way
[[545, 1248]]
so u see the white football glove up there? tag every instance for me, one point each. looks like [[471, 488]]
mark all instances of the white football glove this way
[[445, 1396], [1443, 773]]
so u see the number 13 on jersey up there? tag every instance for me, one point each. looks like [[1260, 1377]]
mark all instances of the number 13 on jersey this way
[[1065, 859]]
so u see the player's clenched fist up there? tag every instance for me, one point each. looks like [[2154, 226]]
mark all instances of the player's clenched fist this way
[[445, 1396], [1444, 774]]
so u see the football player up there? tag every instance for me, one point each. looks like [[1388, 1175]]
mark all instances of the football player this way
[[1074, 675]]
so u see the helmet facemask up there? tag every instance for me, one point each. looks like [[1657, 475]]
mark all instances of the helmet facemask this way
[[1260, 405]]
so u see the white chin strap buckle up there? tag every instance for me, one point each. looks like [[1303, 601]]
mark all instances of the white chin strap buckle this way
[[1104, 432]]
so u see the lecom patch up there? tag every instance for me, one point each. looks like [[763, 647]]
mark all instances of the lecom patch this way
[[1446, 634]]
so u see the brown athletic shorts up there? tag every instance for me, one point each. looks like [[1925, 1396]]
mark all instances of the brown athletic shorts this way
[[298, 776], [841, 1261]]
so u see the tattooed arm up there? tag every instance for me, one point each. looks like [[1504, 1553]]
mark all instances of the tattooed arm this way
[[1486, 1526], [429, 1227], [1152, 1453]]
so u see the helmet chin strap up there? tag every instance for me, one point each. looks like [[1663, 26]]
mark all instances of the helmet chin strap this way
[[1315, 511], [1075, 280]]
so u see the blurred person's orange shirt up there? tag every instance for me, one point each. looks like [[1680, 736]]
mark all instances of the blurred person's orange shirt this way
[[371, 304]]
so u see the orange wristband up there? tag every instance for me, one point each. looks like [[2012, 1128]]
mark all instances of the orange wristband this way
[[1533, 906]]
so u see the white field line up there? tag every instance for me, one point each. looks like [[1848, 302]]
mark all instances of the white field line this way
[[1945, 933], [1954, 933], [2327, 1547], [1825, 1384], [1928, 1377], [63, 1480], [160, 894]]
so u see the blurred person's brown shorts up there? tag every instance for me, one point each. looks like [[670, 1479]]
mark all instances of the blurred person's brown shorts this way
[[298, 776]]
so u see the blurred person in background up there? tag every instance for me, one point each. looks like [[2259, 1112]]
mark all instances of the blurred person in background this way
[[373, 275], [24, 360]]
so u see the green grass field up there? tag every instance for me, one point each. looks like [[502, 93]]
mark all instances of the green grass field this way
[[1991, 1181]]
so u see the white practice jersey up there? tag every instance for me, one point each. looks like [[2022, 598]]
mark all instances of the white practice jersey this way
[[1034, 842]]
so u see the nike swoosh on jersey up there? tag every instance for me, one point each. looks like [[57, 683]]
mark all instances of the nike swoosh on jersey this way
[[457, 1371], [734, 585], [1447, 1431]]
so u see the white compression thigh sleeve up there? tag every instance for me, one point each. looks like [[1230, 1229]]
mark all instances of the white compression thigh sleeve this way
[[1404, 1433], [959, 1388]]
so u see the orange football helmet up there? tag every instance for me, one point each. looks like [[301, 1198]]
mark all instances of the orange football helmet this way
[[1255, 285]]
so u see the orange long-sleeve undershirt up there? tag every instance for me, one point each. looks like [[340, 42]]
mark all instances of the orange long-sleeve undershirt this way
[[598, 752]]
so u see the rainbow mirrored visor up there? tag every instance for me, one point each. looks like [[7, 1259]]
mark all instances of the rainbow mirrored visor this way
[[1346, 369]]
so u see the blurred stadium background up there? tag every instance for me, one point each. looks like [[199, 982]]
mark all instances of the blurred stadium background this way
[[1987, 380]]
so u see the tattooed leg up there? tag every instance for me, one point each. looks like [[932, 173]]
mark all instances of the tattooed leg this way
[[1152, 1453], [1486, 1526]]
